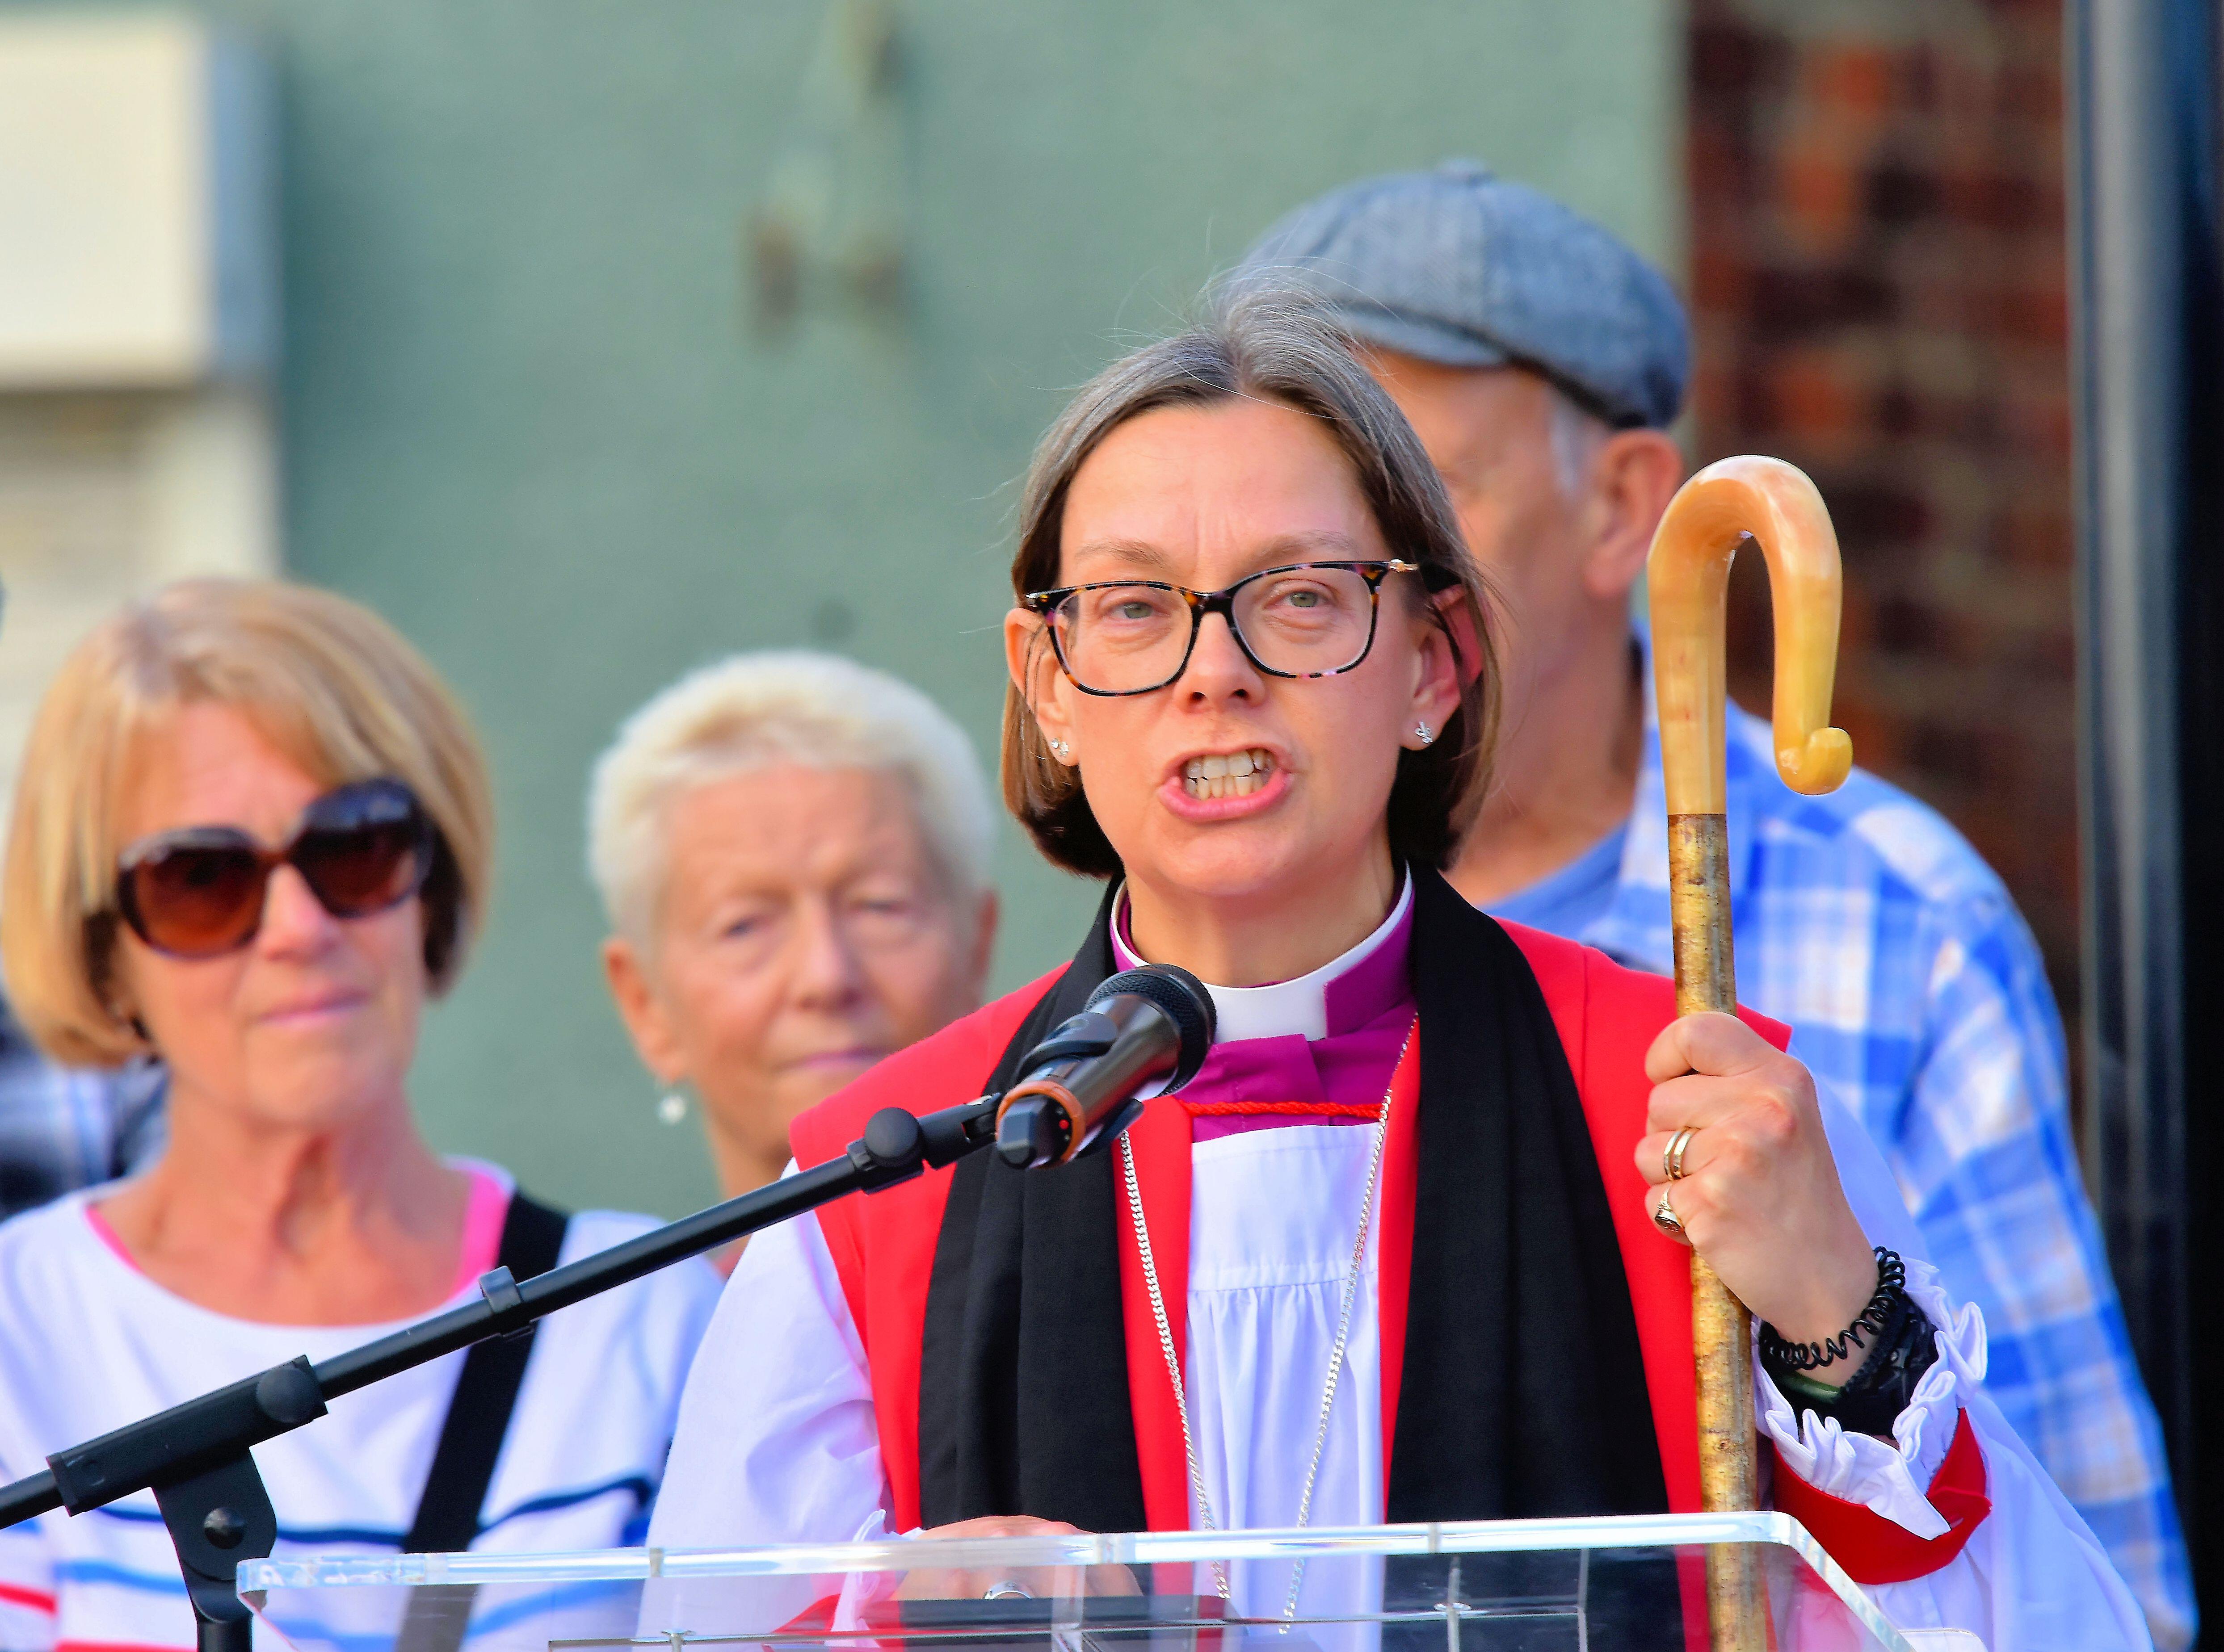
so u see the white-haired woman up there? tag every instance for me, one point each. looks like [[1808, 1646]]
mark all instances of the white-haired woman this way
[[794, 853]]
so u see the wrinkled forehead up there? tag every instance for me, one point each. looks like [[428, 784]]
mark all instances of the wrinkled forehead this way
[[761, 819], [1206, 567], [1203, 495], [207, 761]]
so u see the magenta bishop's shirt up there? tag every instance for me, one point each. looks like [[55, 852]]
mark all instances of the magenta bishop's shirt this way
[[1329, 1040], [787, 1450]]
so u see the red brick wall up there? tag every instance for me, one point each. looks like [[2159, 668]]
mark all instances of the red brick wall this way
[[1878, 288]]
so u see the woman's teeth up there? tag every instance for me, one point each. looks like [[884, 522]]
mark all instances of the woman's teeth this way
[[1236, 775]]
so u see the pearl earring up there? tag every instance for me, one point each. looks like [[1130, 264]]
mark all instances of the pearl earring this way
[[673, 1108], [1421, 729]]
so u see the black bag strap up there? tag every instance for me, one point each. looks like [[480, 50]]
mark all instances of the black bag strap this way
[[486, 1393]]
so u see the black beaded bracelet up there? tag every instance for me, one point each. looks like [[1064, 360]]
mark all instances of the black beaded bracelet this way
[[1871, 1321]]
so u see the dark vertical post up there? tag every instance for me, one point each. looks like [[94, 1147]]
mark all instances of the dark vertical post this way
[[2144, 76]]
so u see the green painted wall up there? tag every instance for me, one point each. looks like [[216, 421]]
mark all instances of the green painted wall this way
[[528, 417]]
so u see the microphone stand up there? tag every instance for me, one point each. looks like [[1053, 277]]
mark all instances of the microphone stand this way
[[195, 1456]]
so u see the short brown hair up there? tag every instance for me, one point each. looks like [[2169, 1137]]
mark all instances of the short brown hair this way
[[328, 683], [1258, 342]]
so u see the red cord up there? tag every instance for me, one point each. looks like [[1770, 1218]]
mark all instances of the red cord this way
[[1332, 1109]]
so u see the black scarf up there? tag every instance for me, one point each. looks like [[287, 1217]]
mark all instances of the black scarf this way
[[1523, 1391]]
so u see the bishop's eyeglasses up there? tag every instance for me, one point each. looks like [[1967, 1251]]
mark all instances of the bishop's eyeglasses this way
[[1132, 636]]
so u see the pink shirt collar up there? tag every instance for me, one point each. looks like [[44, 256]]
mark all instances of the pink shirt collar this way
[[483, 1217]]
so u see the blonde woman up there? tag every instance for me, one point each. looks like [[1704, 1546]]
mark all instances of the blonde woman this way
[[793, 850], [251, 837]]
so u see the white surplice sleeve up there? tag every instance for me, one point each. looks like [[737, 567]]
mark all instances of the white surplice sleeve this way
[[2031, 1577], [776, 1442]]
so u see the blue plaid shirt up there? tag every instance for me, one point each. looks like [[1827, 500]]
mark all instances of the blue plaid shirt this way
[[62, 1128], [1865, 921]]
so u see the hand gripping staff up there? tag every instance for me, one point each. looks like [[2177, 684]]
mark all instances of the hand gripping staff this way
[[1687, 578]]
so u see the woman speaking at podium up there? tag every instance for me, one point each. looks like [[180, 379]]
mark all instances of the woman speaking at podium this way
[[1410, 1246]]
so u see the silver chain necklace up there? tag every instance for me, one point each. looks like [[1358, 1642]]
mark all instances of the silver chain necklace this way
[[1336, 1350]]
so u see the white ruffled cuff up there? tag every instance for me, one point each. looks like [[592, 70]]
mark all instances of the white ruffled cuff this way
[[863, 1589], [1887, 1477]]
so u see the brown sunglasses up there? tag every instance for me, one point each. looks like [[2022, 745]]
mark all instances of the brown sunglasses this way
[[199, 891]]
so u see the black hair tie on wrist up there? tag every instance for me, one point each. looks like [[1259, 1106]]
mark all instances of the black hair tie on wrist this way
[[1901, 1344], [1871, 1321]]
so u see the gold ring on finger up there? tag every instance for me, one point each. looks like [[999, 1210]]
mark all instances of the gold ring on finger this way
[[1671, 1162], [1665, 1218]]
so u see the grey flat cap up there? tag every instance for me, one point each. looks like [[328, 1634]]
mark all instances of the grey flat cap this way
[[1457, 266]]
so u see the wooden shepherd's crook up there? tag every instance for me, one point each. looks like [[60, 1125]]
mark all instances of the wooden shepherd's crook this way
[[1687, 578]]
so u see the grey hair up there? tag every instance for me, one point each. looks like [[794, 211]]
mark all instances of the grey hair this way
[[1577, 434], [749, 711], [1272, 342]]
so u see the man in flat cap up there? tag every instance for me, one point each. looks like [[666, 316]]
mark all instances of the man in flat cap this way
[[1542, 360]]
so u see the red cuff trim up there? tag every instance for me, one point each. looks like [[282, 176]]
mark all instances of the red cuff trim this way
[[15, 1594], [1875, 1550], [817, 1616]]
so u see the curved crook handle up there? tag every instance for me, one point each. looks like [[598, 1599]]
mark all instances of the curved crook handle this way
[[1687, 578]]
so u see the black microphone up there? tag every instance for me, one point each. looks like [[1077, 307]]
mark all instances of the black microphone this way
[[1154, 1022]]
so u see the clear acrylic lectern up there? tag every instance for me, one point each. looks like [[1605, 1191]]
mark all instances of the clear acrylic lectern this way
[[1528, 1585]]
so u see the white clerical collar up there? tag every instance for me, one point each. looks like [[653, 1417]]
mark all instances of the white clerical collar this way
[[1287, 1006]]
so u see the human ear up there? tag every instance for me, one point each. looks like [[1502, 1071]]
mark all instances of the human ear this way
[[1634, 475], [1033, 663], [656, 1040], [1440, 669], [112, 976]]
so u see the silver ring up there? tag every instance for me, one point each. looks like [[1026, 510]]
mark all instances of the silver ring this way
[[1006, 1589], [1667, 1219], [1671, 1162]]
